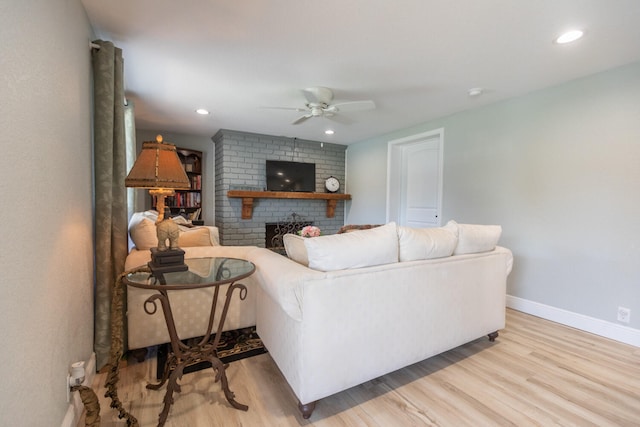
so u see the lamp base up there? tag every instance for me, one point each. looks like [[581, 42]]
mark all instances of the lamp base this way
[[167, 261]]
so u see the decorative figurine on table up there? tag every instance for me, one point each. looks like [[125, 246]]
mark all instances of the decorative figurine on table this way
[[167, 259], [167, 229]]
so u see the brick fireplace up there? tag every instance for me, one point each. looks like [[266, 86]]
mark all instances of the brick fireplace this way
[[240, 165]]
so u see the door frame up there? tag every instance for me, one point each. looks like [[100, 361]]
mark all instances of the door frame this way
[[395, 149]]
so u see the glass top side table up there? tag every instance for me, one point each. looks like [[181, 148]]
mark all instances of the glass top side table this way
[[202, 273]]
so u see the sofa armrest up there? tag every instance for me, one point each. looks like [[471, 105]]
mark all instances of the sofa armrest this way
[[509, 257], [213, 232], [138, 257], [283, 279]]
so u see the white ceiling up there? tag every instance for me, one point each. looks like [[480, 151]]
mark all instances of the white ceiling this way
[[416, 59]]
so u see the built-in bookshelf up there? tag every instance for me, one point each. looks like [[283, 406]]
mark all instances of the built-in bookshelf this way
[[188, 202]]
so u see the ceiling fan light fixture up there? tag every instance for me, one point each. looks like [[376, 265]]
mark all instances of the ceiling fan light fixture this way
[[319, 105], [569, 36]]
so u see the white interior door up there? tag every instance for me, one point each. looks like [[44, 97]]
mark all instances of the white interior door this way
[[414, 180]]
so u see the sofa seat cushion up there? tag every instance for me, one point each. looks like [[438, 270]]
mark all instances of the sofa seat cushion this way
[[427, 243], [475, 238], [363, 248]]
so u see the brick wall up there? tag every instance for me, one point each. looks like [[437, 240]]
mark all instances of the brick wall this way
[[240, 165]]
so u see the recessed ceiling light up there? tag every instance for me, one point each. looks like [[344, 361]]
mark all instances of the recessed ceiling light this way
[[329, 132], [202, 111], [569, 36], [476, 91]]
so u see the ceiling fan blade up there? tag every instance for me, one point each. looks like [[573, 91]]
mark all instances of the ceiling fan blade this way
[[338, 119], [284, 108], [301, 119], [353, 106]]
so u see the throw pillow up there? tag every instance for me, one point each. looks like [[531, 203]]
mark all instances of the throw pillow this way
[[357, 249], [199, 236], [474, 238], [426, 243], [295, 248], [143, 232]]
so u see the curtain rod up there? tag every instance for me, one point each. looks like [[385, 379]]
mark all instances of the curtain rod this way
[[94, 46]]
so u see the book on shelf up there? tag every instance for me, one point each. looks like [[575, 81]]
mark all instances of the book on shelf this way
[[185, 199], [196, 182], [195, 215]]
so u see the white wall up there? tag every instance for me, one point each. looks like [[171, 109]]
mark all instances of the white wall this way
[[193, 142], [46, 254], [559, 169]]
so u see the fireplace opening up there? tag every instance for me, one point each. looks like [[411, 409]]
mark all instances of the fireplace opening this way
[[274, 231]]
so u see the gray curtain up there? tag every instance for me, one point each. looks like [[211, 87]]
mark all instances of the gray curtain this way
[[110, 193]]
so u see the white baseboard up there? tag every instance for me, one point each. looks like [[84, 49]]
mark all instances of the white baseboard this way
[[74, 412], [595, 326]]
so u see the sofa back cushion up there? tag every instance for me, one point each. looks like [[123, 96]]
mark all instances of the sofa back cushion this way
[[295, 248], [143, 232], [363, 248], [474, 238], [427, 243], [142, 229], [197, 236]]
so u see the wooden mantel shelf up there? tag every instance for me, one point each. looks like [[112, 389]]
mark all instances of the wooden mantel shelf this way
[[248, 196]]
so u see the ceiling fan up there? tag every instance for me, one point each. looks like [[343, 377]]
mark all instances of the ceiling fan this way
[[319, 105]]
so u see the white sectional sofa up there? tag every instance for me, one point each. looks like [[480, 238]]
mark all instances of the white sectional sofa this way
[[341, 310], [370, 302]]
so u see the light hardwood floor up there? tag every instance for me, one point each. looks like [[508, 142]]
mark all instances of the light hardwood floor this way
[[537, 373]]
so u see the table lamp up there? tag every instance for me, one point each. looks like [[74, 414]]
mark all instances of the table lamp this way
[[158, 168]]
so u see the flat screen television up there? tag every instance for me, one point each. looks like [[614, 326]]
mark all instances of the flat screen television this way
[[291, 176]]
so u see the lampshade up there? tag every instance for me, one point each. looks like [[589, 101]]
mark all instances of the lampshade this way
[[158, 166], [159, 169]]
